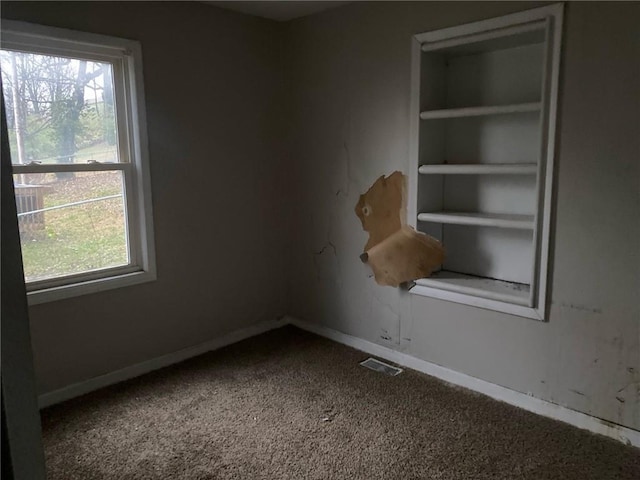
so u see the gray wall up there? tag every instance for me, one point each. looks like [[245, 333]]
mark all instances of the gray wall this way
[[213, 88], [349, 77], [217, 146]]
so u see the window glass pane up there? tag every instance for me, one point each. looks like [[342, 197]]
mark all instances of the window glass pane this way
[[70, 222], [59, 110]]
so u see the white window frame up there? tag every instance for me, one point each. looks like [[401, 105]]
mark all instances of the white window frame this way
[[125, 56]]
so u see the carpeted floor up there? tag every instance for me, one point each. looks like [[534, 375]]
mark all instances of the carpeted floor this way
[[290, 405]]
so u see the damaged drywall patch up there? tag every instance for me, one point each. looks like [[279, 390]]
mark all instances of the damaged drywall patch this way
[[381, 209], [395, 251], [404, 256]]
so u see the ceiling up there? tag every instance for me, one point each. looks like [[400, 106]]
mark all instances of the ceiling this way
[[278, 10]]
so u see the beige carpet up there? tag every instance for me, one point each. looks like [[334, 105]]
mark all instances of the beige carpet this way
[[290, 405]]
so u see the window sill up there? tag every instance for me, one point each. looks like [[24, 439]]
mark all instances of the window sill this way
[[87, 287]]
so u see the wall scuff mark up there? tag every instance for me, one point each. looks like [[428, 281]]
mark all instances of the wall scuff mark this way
[[581, 308], [328, 245], [325, 267], [395, 251]]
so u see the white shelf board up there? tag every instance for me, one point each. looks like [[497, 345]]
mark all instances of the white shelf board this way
[[515, 293], [480, 169], [503, 38], [480, 111], [498, 220]]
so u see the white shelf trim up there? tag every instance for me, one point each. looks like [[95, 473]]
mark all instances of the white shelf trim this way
[[505, 21], [479, 301], [497, 290], [480, 169], [480, 111], [483, 36], [498, 220]]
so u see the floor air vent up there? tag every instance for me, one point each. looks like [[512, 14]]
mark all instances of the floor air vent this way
[[381, 367]]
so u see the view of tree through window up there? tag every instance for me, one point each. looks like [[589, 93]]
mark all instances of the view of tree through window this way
[[60, 111]]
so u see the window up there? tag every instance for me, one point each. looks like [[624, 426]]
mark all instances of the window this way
[[484, 101], [74, 106]]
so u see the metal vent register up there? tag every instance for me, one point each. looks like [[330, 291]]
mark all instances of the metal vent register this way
[[378, 366]]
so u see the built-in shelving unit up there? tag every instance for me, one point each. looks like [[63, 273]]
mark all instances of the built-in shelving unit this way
[[484, 103]]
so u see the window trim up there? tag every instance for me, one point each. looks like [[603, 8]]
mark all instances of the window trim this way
[[126, 57]]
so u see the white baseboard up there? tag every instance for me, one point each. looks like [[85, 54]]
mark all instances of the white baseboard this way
[[527, 402], [532, 404], [81, 388]]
